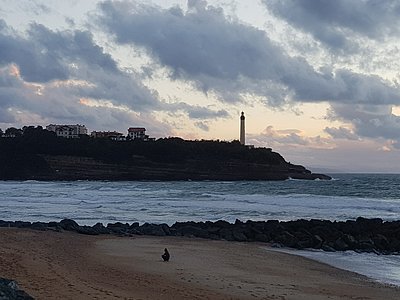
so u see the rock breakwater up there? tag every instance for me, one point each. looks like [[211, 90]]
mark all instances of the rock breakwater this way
[[360, 235]]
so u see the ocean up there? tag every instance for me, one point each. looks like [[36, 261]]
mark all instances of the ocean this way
[[347, 196]]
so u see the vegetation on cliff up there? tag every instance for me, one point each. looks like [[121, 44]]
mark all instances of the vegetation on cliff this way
[[39, 154]]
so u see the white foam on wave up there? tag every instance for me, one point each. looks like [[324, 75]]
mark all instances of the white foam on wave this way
[[381, 268]]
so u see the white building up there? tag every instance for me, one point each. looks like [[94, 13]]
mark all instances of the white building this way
[[68, 131], [137, 133]]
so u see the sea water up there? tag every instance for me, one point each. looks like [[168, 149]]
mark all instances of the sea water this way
[[347, 196]]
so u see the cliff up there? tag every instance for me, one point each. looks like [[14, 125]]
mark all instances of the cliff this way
[[42, 156]]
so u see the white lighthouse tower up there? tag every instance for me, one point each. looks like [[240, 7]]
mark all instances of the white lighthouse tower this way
[[242, 130]]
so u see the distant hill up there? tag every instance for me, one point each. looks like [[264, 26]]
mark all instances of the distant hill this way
[[38, 154]]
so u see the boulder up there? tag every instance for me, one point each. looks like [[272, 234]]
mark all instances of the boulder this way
[[134, 225], [9, 290], [226, 234], [87, 230], [6, 224], [118, 228], [22, 224], [261, 237], [69, 225], [100, 229], [327, 248], [341, 245], [151, 229], [39, 226], [287, 239], [193, 231], [239, 236], [380, 242]]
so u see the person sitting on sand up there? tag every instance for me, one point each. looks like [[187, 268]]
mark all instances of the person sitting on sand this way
[[166, 255]]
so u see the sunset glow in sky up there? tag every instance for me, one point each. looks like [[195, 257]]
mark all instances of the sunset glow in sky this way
[[318, 80]]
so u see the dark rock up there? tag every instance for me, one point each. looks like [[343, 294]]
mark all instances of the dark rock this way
[[9, 290], [166, 229], [70, 225], [239, 236], [394, 244], [350, 241], [118, 228], [277, 245], [222, 224], [380, 242], [134, 225], [39, 226], [151, 229], [213, 230], [135, 231], [369, 224], [327, 248], [226, 234], [317, 242], [53, 224], [341, 245], [305, 242], [261, 237], [87, 230], [118, 225], [21, 224], [238, 222], [193, 231], [287, 239], [6, 224], [100, 229]]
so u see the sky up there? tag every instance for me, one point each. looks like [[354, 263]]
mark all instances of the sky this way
[[318, 80]]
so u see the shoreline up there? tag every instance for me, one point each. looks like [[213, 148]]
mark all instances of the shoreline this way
[[49, 265], [378, 268]]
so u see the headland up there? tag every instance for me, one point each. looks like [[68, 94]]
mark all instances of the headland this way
[[41, 155]]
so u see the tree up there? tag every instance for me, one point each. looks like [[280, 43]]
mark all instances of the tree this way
[[13, 132], [1, 132]]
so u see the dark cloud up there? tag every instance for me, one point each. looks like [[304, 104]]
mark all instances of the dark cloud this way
[[341, 133], [369, 121], [195, 111], [338, 23], [64, 76], [47, 55], [59, 102], [34, 63], [232, 59], [198, 112], [202, 126], [71, 47], [290, 138]]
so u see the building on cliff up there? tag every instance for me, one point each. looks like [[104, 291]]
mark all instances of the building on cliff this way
[[112, 135], [68, 131], [137, 133]]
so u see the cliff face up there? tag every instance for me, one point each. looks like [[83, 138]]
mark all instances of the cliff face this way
[[85, 168], [165, 159]]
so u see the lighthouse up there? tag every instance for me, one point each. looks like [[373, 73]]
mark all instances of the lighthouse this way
[[242, 130]]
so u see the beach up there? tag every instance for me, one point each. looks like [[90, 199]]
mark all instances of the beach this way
[[66, 265]]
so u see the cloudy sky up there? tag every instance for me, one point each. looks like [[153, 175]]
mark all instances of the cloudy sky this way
[[318, 80]]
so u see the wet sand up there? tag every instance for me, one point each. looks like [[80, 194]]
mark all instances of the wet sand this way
[[54, 265]]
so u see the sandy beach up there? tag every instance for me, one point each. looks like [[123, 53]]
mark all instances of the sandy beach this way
[[54, 265]]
